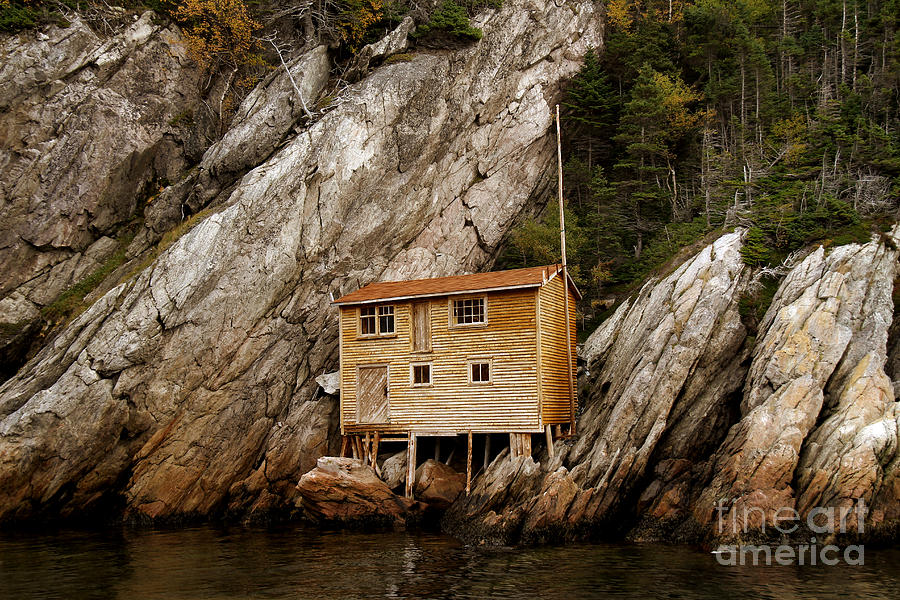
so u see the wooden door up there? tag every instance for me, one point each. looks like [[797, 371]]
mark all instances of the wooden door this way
[[372, 404], [421, 327]]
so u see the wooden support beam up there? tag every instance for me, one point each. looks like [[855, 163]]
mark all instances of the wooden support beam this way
[[355, 446], [437, 449], [367, 449], [487, 450], [375, 443], [513, 448], [345, 445], [526, 444], [549, 441], [469, 465], [410, 464]]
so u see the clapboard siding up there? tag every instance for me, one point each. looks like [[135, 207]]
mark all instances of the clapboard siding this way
[[509, 342], [555, 398]]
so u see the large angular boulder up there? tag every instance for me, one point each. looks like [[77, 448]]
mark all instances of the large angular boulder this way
[[438, 484], [342, 490]]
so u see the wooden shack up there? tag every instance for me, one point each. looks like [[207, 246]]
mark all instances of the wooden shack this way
[[470, 354]]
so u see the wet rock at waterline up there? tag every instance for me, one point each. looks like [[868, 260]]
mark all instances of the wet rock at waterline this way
[[343, 491]]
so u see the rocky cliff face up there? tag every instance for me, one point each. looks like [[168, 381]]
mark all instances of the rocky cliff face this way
[[819, 417], [189, 388], [689, 424], [90, 128]]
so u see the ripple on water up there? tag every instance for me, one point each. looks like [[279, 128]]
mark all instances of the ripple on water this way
[[292, 562]]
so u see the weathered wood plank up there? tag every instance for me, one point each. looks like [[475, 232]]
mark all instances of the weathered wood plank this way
[[410, 464], [373, 395]]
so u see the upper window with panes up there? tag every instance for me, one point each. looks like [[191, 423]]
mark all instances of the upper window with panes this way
[[468, 311], [376, 320]]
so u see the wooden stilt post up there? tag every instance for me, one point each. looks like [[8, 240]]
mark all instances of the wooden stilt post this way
[[410, 464], [549, 440], [487, 450], [469, 466], [526, 444], [354, 446], [375, 453], [345, 443], [367, 449], [437, 449], [513, 450]]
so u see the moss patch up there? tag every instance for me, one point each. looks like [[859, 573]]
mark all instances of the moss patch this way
[[399, 58], [70, 303]]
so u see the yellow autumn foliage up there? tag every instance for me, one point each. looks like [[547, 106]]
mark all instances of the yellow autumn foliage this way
[[676, 97], [218, 31], [355, 19], [622, 14]]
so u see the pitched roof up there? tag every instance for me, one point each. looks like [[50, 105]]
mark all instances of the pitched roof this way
[[456, 284]]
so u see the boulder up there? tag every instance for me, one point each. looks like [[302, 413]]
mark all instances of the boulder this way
[[393, 470], [343, 491], [438, 484], [330, 382]]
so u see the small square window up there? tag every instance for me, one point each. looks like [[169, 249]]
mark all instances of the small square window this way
[[386, 319], [421, 374], [480, 372], [367, 320]]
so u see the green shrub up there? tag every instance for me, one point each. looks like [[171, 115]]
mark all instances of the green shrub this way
[[449, 19], [70, 303], [16, 15], [755, 250]]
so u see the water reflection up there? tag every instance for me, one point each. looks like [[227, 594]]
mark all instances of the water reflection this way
[[217, 563]]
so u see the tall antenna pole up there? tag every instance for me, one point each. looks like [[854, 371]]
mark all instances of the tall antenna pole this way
[[565, 272]]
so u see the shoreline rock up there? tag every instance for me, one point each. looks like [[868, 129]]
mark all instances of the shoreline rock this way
[[343, 491], [685, 416]]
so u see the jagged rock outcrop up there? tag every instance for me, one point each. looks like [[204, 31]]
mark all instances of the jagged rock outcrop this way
[[661, 375], [690, 433], [819, 419], [88, 126], [392, 43], [266, 119], [190, 389]]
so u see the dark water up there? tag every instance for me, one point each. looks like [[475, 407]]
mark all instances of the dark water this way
[[302, 563]]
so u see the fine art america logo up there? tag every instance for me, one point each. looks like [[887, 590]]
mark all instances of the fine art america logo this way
[[823, 521]]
